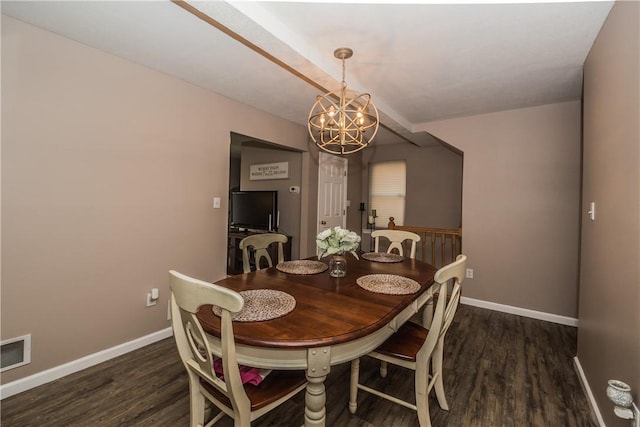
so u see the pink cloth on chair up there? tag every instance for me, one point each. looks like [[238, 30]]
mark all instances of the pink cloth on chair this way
[[248, 374]]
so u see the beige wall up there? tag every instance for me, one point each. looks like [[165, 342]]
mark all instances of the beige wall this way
[[108, 174], [609, 333], [520, 205]]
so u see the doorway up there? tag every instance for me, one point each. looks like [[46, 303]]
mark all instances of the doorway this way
[[246, 151]]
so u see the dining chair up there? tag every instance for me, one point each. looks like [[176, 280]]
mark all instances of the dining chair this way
[[258, 244], [396, 238], [412, 347], [243, 402], [456, 274]]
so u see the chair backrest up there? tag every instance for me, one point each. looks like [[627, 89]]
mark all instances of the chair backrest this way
[[260, 243], [396, 237], [187, 296], [424, 354], [455, 272]]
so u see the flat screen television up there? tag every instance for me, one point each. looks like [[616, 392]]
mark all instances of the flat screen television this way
[[254, 210]]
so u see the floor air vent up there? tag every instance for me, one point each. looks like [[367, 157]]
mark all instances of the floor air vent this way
[[15, 352]]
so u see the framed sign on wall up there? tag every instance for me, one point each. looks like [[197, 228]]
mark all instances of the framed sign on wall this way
[[264, 171]]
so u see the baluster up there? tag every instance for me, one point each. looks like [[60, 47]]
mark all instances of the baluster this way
[[433, 249], [454, 247]]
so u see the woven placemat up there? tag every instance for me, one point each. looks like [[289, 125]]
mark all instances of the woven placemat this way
[[389, 284], [382, 257], [302, 266], [261, 305]]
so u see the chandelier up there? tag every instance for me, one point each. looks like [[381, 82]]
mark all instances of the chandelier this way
[[343, 121]]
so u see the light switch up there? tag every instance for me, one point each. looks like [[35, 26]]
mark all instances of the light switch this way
[[216, 202], [592, 211]]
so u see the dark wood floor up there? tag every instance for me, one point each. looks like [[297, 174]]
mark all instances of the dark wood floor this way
[[500, 370]]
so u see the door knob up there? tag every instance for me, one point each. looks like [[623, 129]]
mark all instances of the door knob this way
[[323, 222]]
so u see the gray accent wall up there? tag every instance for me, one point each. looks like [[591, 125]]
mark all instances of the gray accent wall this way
[[609, 332], [434, 183]]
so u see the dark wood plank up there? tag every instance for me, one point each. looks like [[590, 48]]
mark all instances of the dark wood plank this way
[[500, 370]]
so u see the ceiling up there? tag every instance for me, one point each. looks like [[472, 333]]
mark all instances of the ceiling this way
[[420, 60]]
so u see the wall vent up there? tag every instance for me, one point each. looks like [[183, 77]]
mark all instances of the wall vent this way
[[15, 352]]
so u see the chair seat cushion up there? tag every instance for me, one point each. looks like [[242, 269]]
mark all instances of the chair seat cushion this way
[[406, 343], [276, 385]]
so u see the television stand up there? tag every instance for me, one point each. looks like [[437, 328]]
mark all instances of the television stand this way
[[234, 253], [250, 231]]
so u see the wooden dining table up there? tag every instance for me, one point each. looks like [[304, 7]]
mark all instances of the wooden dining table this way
[[334, 321]]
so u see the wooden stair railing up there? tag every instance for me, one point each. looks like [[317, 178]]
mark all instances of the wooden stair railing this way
[[445, 242]]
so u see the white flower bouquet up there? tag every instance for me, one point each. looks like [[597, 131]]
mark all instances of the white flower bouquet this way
[[337, 240]]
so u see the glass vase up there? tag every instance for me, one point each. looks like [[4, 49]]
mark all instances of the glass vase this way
[[338, 266]]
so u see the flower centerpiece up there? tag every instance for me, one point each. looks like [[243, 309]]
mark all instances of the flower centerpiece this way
[[336, 241]]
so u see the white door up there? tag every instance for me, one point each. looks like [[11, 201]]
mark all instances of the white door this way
[[332, 192]]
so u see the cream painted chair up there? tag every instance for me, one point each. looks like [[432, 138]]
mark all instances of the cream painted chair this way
[[454, 273], [244, 403], [396, 238], [412, 347], [417, 348], [259, 243]]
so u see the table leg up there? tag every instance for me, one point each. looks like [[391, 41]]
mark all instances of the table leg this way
[[314, 401], [318, 367]]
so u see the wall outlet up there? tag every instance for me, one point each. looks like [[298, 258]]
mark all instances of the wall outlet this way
[[152, 297], [150, 301], [469, 273]]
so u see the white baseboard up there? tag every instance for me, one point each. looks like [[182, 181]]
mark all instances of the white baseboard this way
[[554, 318], [587, 390], [27, 383]]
